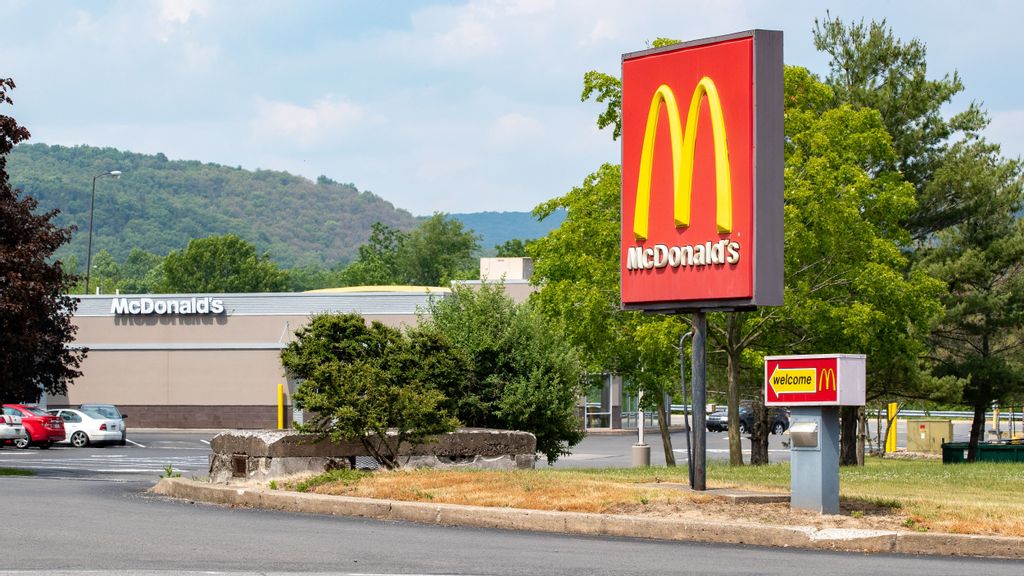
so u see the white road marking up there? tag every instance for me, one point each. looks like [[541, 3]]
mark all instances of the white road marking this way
[[207, 442], [136, 443]]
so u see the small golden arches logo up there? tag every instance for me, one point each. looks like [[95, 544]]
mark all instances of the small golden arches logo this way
[[682, 158], [827, 379]]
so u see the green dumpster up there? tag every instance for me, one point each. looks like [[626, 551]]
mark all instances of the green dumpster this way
[[1001, 452], [954, 452]]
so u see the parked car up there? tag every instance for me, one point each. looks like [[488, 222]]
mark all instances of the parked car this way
[[11, 429], [88, 426], [111, 411], [778, 420], [717, 421], [42, 429]]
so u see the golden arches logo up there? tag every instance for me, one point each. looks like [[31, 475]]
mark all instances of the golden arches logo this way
[[682, 157], [827, 379]]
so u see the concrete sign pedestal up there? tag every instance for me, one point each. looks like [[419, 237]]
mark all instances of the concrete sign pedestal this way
[[814, 459]]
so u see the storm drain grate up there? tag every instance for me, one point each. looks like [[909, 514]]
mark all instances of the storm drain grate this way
[[366, 463]]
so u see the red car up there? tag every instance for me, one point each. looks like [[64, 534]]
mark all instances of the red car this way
[[43, 429]]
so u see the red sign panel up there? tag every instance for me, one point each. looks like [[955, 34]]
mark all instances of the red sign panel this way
[[701, 200], [834, 379]]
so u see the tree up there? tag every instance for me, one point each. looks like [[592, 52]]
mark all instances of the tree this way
[[525, 376], [514, 248], [378, 262], [981, 260], [845, 203], [371, 383], [220, 264], [871, 68], [847, 286], [140, 272], [35, 310], [577, 267], [437, 251]]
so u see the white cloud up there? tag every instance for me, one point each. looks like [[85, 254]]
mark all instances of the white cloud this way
[[516, 128], [305, 126], [174, 14], [179, 11]]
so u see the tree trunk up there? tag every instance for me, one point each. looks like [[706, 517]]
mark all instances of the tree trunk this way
[[732, 327], [862, 433], [759, 435], [666, 439], [977, 430], [848, 436]]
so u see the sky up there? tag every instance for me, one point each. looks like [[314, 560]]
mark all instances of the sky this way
[[435, 106]]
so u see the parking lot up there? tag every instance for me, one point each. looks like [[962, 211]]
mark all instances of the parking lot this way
[[146, 456]]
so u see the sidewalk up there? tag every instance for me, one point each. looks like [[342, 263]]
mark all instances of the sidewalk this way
[[738, 532]]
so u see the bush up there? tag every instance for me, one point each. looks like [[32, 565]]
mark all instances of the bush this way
[[525, 376], [371, 384]]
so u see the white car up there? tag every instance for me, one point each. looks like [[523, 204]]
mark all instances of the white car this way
[[87, 426], [11, 428]]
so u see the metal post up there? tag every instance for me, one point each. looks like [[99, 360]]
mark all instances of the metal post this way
[[88, 258], [699, 385], [92, 209]]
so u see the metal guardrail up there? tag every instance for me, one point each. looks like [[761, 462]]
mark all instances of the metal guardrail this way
[[952, 414]]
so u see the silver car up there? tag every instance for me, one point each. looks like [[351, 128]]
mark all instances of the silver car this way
[[11, 428], [110, 411]]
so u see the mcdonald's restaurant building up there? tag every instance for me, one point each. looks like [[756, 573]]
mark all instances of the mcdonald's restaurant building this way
[[213, 360]]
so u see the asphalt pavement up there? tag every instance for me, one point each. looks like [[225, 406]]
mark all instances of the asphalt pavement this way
[[61, 526]]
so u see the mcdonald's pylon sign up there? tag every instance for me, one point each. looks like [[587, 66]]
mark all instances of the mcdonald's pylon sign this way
[[702, 146], [825, 380]]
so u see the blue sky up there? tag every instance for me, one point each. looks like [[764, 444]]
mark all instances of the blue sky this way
[[435, 106]]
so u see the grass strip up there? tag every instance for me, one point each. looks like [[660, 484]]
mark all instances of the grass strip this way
[[924, 495]]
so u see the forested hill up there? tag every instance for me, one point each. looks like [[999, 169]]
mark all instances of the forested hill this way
[[158, 205], [499, 227]]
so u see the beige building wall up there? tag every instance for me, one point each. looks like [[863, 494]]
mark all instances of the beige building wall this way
[[208, 370]]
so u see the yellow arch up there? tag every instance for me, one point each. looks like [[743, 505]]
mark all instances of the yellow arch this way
[[682, 158]]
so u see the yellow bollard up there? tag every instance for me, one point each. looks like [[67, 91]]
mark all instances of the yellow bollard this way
[[280, 406], [890, 437]]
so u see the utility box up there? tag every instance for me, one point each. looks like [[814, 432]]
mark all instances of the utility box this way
[[928, 435]]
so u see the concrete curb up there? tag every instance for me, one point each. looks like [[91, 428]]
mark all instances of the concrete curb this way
[[836, 539]]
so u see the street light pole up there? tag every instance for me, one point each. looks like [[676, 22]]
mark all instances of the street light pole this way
[[92, 208]]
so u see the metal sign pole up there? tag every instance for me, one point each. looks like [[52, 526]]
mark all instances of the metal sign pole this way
[[699, 385]]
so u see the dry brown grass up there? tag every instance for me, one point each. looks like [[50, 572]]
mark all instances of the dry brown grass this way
[[885, 494]]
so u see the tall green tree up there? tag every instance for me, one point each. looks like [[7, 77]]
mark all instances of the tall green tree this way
[[434, 253], [841, 177], [577, 267], [525, 375], [869, 67], [437, 251], [379, 262], [140, 272], [220, 264], [981, 260], [35, 310]]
